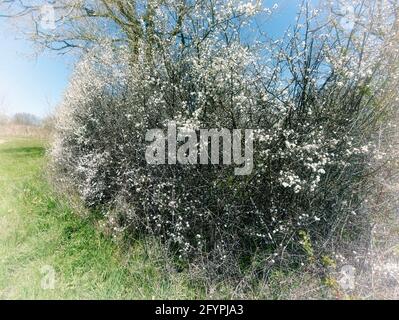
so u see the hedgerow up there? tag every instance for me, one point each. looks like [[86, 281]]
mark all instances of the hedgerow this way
[[315, 98]]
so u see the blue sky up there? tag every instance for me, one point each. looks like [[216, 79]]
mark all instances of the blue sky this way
[[29, 84], [36, 84]]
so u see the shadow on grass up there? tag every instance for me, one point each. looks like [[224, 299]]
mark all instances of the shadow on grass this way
[[31, 152]]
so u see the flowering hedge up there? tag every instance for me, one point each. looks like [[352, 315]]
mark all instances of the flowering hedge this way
[[315, 98]]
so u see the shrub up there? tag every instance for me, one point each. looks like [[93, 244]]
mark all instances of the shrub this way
[[315, 99]]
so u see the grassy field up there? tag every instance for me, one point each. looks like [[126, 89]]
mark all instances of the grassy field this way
[[42, 238]]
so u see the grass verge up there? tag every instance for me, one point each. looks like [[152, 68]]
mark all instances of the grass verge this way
[[39, 233]]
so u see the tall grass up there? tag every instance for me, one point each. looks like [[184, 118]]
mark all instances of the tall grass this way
[[19, 130]]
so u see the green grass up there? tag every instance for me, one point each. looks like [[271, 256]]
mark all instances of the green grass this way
[[38, 230]]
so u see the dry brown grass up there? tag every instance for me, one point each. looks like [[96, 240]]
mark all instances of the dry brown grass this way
[[379, 277], [23, 131]]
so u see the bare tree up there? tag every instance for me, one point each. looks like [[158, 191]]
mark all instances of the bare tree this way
[[3, 114], [26, 119], [78, 24]]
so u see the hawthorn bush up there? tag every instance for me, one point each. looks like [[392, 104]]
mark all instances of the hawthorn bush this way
[[315, 99]]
